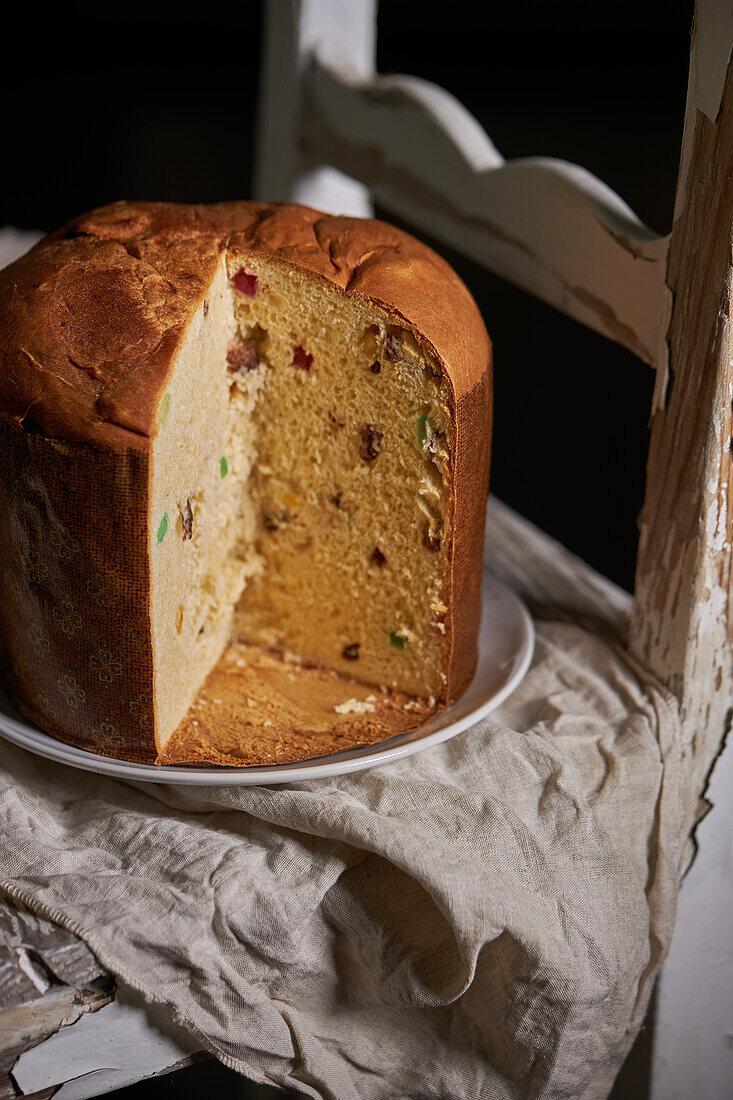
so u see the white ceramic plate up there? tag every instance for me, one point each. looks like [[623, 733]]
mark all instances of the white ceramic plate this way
[[506, 644]]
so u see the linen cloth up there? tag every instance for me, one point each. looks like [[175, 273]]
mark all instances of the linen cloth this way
[[483, 919]]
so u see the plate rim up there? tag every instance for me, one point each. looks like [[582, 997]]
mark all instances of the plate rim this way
[[19, 732]]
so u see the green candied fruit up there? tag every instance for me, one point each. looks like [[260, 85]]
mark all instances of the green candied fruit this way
[[165, 408], [422, 429], [397, 640], [223, 466], [162, 528]]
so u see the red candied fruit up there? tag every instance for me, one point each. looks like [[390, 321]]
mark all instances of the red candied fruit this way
[[302, 359], [246, 284]]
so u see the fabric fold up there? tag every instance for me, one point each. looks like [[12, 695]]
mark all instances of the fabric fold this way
[[483, 919]]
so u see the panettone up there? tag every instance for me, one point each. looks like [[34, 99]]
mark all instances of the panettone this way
[[235, 423]]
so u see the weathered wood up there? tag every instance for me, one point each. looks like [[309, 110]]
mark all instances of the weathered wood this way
[[25, 1026], [49, 979], [124, 1042], [46, 1037], [682, 623], [8, 1091], [562, 235], [35, 954], [546, 225], [341, 30]]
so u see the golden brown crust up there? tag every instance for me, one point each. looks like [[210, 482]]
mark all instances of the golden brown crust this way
[[471, 462], [91, 318]]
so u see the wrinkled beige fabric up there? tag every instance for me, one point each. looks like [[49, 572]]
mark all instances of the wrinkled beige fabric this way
[[483, 919]]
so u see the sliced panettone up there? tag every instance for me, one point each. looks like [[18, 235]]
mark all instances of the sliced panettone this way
[[241, 423]]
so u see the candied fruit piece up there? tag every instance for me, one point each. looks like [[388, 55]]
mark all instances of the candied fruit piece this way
[[392, 347], [351, 652], [164, 408], [397, 641], [371, 442], [186, 519], [223, 466], [422, 429], [162, 528], [301, 359], [242, 360], [245, 283], [401, 345]]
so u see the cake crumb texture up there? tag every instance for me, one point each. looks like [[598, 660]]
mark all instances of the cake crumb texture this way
[[255, 708]]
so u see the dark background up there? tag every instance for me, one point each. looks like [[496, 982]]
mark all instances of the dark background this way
[[140, 105], [157, 104]]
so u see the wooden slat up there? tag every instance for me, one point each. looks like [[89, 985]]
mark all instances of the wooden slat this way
[[26, 1025], [546, 225], [692, 1052], [124, 1042], [343, 30], [682, 625], [34, 951], [50, 985]]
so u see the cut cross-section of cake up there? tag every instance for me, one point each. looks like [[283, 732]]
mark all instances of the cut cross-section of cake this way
[[235, 423]]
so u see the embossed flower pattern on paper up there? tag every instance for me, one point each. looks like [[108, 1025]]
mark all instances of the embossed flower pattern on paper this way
[[106, 665], [44, 702], [105, 736], [36, 566], [64, 545], [39, 640], [66, 617], [99, 589], [74, 695], [142, 710]]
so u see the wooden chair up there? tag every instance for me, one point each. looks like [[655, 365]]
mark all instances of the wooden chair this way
[[332, 135]]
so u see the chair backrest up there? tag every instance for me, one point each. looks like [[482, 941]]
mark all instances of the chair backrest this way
[[331, 134]]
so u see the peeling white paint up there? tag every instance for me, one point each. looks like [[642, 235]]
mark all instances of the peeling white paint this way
[[35, 974]]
